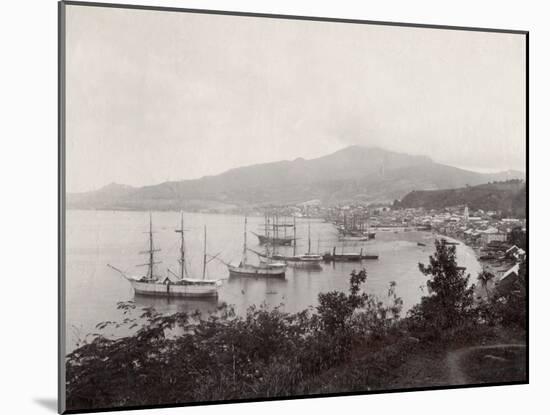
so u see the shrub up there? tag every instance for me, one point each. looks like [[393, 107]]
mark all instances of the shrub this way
[[181, 358]]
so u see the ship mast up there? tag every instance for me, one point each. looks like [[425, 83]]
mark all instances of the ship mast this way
[[182, 249], [151, 259], [268, 225], [294, 247], [270, 240], [276, 241], [274, 227], [345, 224], [150, 251], [308, 237], [204, 256], [244, 244]]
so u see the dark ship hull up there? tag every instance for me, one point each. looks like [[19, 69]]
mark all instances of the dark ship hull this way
[[274, 240]]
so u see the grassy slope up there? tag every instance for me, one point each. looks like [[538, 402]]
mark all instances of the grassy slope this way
[[406, 362]]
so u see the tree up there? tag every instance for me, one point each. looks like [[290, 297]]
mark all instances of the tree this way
[[485, 277], [336, 311], [336, 308], [518, 237], [511, 304], [451, 297]]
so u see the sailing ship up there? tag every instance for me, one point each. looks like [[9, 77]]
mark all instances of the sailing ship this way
[[356, 227], [273, 240], [307, 260], [266, 267], [182, 286], [272, 235]]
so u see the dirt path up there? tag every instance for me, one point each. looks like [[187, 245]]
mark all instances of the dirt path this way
[[454, 357]]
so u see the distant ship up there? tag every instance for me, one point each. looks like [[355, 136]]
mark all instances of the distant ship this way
[[182, 286], [307, 260], [266, 267], [356, 227], [273, 240], [271, 234]]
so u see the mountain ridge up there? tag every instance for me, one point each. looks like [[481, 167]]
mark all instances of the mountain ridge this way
[[355, 173]]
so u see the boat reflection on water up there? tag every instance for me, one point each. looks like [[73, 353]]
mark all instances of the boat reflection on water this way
[[306, 267], [270, 291], [205, 306]]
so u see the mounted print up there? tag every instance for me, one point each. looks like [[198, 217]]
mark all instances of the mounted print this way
[[258, 207]]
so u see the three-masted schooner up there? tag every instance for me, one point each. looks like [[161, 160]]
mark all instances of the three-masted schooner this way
[[355, 229], [182, 286], [266, 267], [272, 234]]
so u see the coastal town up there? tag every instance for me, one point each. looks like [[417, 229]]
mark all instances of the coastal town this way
[[498, 240]]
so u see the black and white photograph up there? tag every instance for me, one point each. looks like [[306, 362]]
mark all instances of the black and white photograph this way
[[258, 207]]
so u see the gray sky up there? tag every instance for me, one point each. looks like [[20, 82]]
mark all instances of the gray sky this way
[[155, 96]]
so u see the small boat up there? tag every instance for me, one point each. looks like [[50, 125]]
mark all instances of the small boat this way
[[182, 286], [353, 238], [266, 268], [308, 259], [305, 258], [347, 256], [421, 244]]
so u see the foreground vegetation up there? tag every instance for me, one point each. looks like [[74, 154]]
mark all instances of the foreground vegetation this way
[[350, 342]]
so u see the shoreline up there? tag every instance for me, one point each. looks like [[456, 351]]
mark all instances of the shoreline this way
[[485, 266], [479, 290]]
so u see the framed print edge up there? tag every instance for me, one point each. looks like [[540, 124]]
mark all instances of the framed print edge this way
[[62, 334], [61, 395]]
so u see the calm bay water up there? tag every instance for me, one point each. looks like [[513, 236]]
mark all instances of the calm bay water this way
[[97, 238]]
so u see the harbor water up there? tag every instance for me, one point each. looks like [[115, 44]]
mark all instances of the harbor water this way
[[97, 238]]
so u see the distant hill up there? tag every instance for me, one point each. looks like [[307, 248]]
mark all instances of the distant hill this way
[[352, 174], [508, 197]]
